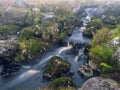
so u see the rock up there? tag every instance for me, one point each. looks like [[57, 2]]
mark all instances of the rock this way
[[8, 48], [117, 54], [99, 83], [114, 42], [9, 67], [20, 3], [13, 16], [86, 70], [62, 83], [87, 33], [36, 11], [56, 67]]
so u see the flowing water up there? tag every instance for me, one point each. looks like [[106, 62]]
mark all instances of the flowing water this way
[[30, 77]]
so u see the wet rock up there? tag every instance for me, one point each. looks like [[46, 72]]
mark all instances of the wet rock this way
[[61, 42], [99, 83], [76, 47], [8, 47], [86, 71], [56, 67], [87, 34], [9, 67], [114, 42]]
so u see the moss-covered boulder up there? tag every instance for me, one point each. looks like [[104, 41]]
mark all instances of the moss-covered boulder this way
[[55, 68], [62, 83]]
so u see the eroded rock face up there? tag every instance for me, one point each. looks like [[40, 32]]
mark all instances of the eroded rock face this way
[[99, 83], [114, 42]]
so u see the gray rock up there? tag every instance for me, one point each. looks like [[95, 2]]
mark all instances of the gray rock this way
[[117, 54], [8, 47], [13, 16], [114, 42], [86, 70], [99, 83], [20, 3]]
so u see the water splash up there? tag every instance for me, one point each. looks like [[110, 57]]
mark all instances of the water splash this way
[[80, 52]]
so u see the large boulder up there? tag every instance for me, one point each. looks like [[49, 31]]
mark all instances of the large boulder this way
[[55, 68], [99, 83], [14, 16]]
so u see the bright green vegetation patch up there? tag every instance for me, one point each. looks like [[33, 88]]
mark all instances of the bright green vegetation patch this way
[[9, 29], [100, 37], [62, 83], [55, 67], [101, 53], [30, 48]]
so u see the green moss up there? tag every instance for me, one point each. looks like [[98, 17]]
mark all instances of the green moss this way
[[62, 36], [27, 32], [62, 83], [9, 29], [19, 57], [55, 67], [100, 37]]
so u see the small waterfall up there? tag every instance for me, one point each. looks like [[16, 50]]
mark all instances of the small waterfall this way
[[27, 67], [64, 49], [80, 52], [68, 44]]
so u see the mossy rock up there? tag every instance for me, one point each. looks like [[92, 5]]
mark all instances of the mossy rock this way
[[55, 68], [9, 29], [62, 83], [88, 33]]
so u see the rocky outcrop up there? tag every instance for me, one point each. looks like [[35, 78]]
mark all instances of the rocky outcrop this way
[[13, 16], [114, 42], [99, 83]]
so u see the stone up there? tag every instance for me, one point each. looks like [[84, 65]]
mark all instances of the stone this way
[[8, 47], [86, 70], [114, 42], [117, 54], [99, 83], [55, 68]]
